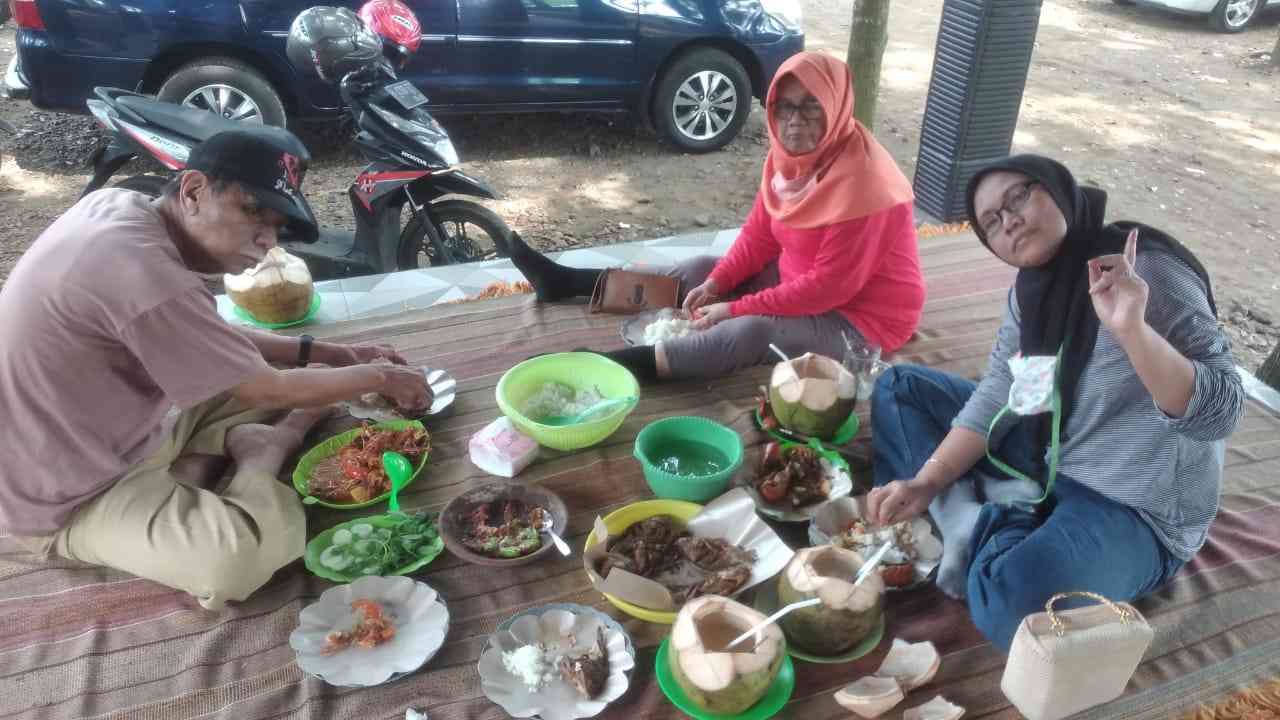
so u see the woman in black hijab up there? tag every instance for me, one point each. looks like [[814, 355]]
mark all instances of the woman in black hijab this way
[[1148, 394]]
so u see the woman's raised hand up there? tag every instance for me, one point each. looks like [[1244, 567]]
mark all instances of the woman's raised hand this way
[[701, 295], [1119, 295]]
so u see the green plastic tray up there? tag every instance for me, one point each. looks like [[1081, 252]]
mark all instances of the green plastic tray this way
[[330, 447]]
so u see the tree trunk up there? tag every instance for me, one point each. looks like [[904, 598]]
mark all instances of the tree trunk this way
[[1269, 373], [868, 37]]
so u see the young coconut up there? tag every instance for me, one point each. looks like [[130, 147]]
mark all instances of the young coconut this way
[[936, 709], [817, 404], [719, 681], [276, 290], [911, 664], [846, 615], [871, 696]]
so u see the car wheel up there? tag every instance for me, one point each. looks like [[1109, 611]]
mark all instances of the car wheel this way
[[469, 231], [225, 86], [149, 185], [702, 100], [1233, 16]]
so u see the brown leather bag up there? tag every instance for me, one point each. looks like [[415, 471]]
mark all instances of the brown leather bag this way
[[624, 292]]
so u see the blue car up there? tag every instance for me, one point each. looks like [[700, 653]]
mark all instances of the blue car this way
[[688, 67]]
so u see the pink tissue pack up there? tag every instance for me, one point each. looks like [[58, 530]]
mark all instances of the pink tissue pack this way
[[500, 449]]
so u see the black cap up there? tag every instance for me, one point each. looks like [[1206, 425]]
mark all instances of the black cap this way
[[269, 163]]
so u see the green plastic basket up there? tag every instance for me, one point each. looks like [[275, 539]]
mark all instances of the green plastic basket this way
[[694, 488], [577, 370], [330, 447]]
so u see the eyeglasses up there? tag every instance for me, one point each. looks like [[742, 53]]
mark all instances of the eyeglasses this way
[[1013, 203], [784, 110]]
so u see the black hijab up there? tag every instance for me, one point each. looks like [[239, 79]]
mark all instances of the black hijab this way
[[1054, 298]]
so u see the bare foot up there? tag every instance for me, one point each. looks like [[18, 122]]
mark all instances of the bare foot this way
[[266, 446]]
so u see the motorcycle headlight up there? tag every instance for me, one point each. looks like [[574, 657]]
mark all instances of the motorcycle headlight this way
[[787, 12]]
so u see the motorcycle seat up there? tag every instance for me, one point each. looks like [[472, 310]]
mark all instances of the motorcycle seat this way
[[196, 124]]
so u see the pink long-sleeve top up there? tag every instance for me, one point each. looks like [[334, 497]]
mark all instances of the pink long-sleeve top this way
[[867, 269]]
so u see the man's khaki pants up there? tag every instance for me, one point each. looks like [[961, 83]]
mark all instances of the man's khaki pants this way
[[215, 546]]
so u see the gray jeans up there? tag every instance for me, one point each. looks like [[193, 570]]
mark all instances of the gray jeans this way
[[743, 342]]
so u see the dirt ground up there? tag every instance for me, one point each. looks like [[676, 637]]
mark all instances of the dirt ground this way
[[1180, 125]]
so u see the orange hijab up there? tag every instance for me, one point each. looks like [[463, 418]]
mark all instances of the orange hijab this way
[[848, 176]]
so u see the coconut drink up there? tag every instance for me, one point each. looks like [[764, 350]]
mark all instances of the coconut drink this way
[[817, 403], [846, 615], [276, 290], [720, 681]]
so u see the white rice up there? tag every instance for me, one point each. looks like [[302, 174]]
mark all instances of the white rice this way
[[534, 666], [555, 398]]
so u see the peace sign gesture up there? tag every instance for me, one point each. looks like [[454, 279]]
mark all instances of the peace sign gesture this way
[[1119, 295]]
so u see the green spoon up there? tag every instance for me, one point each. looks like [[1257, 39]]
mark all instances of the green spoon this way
[[399, 470], [563, 420]]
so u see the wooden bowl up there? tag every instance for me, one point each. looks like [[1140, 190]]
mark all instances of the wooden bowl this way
[[453, 519]]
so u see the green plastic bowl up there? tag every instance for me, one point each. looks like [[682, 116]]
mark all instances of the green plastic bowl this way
[[694, 488], [577, 370]]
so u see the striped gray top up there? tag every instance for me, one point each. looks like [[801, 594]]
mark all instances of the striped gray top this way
[[1117, 441]]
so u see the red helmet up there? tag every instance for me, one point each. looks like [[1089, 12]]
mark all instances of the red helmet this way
[[394, 21]]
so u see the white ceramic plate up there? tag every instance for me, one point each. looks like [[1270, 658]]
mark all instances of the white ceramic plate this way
[[557, 700], [633, 327], [841, 486], [832, 516], [420, 617], [442, 385]]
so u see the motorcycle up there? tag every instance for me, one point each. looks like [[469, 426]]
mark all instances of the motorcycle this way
[[412, 162]]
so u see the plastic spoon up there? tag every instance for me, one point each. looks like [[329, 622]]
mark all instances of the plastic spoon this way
[[794, 375], [563, 420], [399, 470], [548, 523], [865, 571], [774, 618]]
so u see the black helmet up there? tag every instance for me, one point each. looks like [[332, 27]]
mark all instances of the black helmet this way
[[333, 42]]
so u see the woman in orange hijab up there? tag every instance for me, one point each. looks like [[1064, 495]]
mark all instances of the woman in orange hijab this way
[[829, 248]]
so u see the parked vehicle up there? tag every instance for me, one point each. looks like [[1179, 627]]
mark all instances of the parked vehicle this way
[[1229, 16], [411, 163], [688, 67]]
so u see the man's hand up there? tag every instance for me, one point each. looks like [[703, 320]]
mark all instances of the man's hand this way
[[406, 387], [344, 355]]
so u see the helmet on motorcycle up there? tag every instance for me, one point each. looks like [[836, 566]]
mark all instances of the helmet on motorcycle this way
[[394, 21], [332, 42]]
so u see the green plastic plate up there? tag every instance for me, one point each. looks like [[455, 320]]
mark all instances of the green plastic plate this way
[[321, 542], [773, 701], [244, 315], [330, 447]]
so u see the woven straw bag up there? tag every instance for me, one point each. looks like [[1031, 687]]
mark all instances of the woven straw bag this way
[[1063, 662]]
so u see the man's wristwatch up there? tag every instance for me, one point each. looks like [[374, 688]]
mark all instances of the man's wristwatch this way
[[304, 350]]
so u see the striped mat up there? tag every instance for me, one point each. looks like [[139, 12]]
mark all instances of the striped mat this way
[[82, 642]]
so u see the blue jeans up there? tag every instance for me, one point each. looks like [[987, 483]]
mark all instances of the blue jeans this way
[[1019, 558]]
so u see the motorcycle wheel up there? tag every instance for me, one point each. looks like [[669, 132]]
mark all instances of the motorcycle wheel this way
[[466, 231], [149, 185]]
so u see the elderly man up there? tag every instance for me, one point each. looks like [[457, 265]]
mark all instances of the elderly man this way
[[114, 366]]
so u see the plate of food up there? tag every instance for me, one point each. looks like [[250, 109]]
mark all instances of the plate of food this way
[[371, 631], [650, 557], [379, 408], [911, 561], [791, 481], [654, 326], [500, 523], [559, 662], [392, 544], [345, 472]]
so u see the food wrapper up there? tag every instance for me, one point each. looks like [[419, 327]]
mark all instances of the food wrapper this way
[[500, 449], [731, 517], [1032, 390]]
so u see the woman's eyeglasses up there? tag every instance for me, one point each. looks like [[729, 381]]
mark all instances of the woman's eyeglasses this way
[[784, 110], [1013, 203]]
